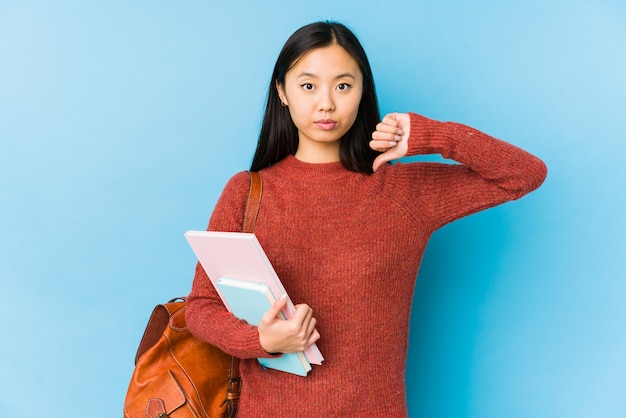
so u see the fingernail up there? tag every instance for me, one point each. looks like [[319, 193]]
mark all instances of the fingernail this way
[[392, 143], [400, 132]]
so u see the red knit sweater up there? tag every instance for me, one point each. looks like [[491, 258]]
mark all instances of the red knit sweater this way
[[350, 245]]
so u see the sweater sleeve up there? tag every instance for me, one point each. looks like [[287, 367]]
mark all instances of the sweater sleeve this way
[[207, 317], [490, 171]]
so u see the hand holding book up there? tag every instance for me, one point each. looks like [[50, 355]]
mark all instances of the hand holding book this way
[[252, 301], [278, 335]]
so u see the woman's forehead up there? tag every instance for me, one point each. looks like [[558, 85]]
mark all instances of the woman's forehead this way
[[331, 61]]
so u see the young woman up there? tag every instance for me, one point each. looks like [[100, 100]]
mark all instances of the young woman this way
[[345, 230]]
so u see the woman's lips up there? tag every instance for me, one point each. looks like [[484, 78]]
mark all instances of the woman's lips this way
[[326, 124]]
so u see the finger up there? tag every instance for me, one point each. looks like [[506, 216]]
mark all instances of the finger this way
[[390, 155], [391, 119], [383, 133], [386, 136], [274, 311], [307, 325], [311, 327], [380, 160], [392, 128], [303, 329], [386, 128], [315, 336], [303, 315], [382, 146]]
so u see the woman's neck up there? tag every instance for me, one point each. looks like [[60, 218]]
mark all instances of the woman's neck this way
[[318, 153]]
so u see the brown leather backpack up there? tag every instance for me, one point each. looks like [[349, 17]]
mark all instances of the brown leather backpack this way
[[177, 375]]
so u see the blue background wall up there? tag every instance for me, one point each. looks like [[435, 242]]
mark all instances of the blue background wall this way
[[120, 122]]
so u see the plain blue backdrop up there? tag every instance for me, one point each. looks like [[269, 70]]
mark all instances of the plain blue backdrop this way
[[120, 122]]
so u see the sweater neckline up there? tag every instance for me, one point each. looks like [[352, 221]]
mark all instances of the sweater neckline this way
[[292, 167]]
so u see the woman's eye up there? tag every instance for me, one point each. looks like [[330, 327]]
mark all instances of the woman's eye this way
[[307, 86], [343, 86]]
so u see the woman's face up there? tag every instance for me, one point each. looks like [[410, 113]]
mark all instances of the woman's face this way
[[323, 91]]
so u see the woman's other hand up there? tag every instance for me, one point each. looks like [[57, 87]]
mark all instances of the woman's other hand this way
[[391, 138], [278, 335]]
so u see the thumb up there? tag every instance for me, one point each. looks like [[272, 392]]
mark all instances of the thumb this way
[[274, 311], [380, 160], [385, 157]]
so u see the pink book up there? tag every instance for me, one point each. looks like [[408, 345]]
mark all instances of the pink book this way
[[239, 255]]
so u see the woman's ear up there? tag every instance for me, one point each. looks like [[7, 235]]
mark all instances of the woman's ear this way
[[281, 94]]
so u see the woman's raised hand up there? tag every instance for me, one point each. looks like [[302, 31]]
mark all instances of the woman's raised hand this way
[[391, 138], [277, 335]]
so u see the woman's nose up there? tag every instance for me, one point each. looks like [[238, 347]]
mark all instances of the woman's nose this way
[[326, 103]]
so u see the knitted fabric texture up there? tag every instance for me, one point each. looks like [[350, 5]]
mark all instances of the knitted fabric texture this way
[[350, 245]]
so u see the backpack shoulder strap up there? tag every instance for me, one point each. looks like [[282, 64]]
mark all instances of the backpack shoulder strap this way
[[253, 202]]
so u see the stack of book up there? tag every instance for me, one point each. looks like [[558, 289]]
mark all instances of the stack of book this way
[[248, 285]]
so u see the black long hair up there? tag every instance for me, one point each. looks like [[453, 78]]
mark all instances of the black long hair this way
[[279, 135]]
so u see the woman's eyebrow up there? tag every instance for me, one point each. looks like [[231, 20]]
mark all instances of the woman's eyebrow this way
[[346, 75], [342, 75]]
